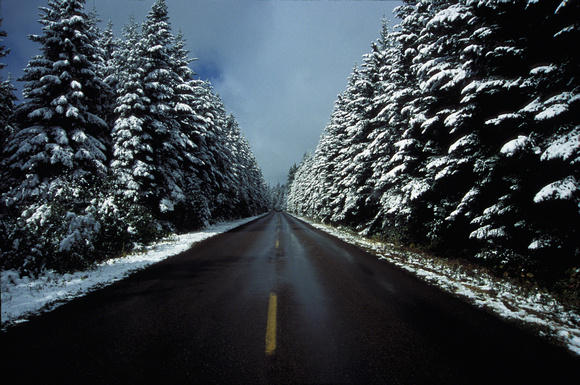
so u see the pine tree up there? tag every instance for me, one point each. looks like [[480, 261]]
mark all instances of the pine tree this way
[[441, 74], [108, 46], [536, 206], [392, 95], [320, 181], [7, 104], [278, 197], [75, 191], [300, 188], [7, 97], [459, 133], [147, 141], [361, 204], [195, 209], [160, 83], [132, 147], [58, 151], [244, 186]]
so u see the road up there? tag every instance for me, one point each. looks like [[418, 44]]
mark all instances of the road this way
[[275, 301]]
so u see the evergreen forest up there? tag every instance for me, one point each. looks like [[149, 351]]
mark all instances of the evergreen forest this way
[[116, 143], [459, 133]]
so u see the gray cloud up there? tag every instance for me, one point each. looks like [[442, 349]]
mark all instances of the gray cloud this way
[[278, 65]]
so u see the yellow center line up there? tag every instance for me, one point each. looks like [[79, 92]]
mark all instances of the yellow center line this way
[[277, 243], [271, 326]]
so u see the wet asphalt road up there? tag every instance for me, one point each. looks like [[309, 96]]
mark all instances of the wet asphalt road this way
[[340, 316]]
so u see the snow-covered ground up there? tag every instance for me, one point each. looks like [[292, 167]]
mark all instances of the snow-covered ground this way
[[539, 311], [23, 297]]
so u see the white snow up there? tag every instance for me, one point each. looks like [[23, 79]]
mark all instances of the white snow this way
[[487, 232], [562, 189], [543, 69], [436, 163], [501, 118], [552, 111], [23, 297], [463, 142], [447, 171], [539, 244], [392, 174], [487, 86], [416, 188], [564, 147], [183, 108], [75, 85], [454, 119], [482, 32], [550, 318], [514, 145], [166, 205], [429, 123], [561, 6], [447, 17]]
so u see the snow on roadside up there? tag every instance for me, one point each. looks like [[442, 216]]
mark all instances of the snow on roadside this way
[[23, 297], [541, 311]]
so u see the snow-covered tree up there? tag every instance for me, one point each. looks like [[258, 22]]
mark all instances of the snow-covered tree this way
[[534, 212], [278, 197], [458, 132], [107, 68], [132, 148], [7, 103], [175, 150], [147, 141], [59, 149], [7, 96], [83, 181], [301, 187]]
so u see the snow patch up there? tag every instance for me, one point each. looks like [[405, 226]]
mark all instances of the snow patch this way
[[539, 244], [464, 142], [551, 112], [543, 69], [563, 189], [501, 118], [75, 85], [166, 205], [564, 147], [515, 145]]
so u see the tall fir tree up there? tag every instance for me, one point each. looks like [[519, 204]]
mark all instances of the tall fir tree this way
[[59, 150], [131, 146], [7, 96], [108, 46], [147, 141], [7, 104]]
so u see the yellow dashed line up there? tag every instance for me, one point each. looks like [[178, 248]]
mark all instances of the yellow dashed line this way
[[271, 326]]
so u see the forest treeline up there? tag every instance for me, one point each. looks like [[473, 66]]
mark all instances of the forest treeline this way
[[116, 143], [460, 133]]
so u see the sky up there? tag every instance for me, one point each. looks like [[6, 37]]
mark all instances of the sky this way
[[278, 65]]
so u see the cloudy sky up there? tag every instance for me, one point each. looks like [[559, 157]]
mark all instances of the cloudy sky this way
[[278, 65]]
